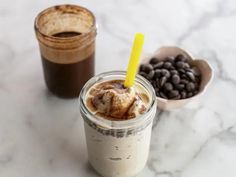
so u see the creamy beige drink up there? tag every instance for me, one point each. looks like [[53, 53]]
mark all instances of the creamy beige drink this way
[[118, 123]]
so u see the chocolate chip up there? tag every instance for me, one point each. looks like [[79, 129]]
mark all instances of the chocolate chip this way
[[186, 65], [165, 73], [175, 79], [141, 68], [170, 59], [162, 94], [154, 61], [172, 67], [180, 57], [190, 86], [147, 68], [184, 76], [173, 93], [151, 74], [180, 64], [190, 75], [158, 65], [157, 73], [168, 86], [163, 80], [184, 81], [172, 72], [167, 65], [179, 86], [182, 71]]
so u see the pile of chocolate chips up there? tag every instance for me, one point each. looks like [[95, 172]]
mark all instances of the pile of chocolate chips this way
[[172, 78]]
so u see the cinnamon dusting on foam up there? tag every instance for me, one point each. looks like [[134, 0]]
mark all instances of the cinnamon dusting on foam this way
[[111, 100]]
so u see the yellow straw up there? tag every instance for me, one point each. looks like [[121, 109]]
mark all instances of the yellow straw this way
[[134, 59]]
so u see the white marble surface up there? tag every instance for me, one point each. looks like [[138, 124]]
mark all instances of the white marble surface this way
[[42, 136]]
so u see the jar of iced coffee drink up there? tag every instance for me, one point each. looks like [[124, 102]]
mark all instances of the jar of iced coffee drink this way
[[118, 123]]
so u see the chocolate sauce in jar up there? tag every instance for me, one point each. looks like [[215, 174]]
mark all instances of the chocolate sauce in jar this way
[[66, 80], [66, 36]]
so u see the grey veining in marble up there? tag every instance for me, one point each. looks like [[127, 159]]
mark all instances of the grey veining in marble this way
[[42, 136]]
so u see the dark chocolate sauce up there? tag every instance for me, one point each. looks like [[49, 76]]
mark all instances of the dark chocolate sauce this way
[[66, 80], [67, 34]]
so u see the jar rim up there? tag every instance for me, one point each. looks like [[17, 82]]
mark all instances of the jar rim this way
[[115, 124], [38, 30]]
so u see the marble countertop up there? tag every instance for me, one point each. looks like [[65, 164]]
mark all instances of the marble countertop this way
[[42, 136]]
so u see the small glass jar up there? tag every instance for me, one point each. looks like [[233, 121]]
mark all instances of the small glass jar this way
[[118, 148], [66, 36]]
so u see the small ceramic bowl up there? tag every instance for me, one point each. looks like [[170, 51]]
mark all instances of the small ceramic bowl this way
[[202, 65]]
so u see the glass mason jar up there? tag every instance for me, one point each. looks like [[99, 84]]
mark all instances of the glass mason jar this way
[[118, 148], [66, 36]]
